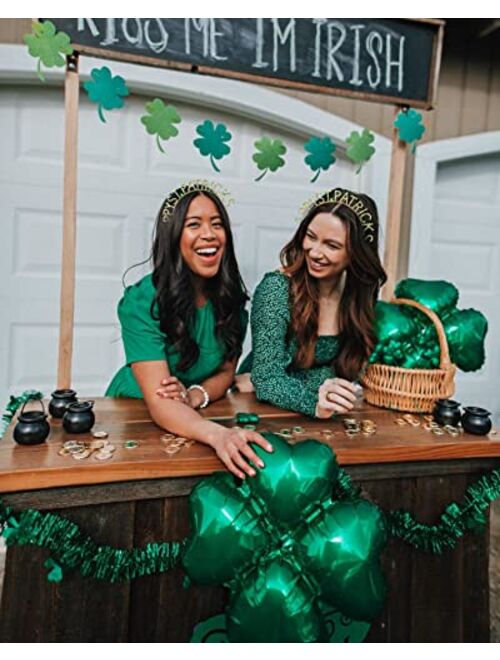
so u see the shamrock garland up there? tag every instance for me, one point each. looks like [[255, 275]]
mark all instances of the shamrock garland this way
[[106, 90], [360, 150], [47, 45], [409, 124], [268, 155], [213, 141], [161, 120], [320, 156]]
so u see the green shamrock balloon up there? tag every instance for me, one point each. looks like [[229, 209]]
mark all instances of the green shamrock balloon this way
[[106, 90], [339, 628], [161, 120], [282, 545], [438, 295], [409, 124], [360, 149], [269, 155], [47, 45], [213, 141], [320, 156]]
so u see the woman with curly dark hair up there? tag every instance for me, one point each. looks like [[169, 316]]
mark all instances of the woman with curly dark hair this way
[[312, 321], [183, 325]]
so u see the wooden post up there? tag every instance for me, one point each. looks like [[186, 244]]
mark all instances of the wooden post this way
[[67, 305], [395, 211]]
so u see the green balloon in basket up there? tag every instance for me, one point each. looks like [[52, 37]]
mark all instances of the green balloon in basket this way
[[424, 331]]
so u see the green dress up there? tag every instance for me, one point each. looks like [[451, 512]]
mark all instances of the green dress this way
[[273, 377], [144, 341]]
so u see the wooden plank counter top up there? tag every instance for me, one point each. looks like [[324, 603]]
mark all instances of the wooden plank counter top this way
[[38, 467]]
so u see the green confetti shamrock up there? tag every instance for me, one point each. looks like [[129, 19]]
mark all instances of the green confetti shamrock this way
[[47, 45], [410, 127], [320, 156], [269, 157], [359, 150], [161, 120], [213, 141], [106, 90], [55, 571]]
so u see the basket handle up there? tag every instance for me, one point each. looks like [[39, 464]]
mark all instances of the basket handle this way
[[444, 361]]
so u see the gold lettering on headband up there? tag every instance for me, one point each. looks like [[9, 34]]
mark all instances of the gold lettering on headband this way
[[196, 185], [346, 198]]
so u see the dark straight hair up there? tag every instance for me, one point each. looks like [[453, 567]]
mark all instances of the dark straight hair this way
[[175, 303]]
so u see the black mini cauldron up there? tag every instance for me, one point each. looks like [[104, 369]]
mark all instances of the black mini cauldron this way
[[79, 417], [60, 401], [476, 420], [32, 427], [446, 411]]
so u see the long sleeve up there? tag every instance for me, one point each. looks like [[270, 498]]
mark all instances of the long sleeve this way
[[273, 380]]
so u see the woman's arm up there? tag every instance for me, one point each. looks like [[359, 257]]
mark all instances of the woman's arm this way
[[231, 445], [269, 321], [216, 386]]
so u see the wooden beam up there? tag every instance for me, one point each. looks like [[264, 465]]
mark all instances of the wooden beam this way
[[67, 304], [395, 211]]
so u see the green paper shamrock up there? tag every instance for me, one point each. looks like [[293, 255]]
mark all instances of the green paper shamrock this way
[[320, 156], [161, 120], [55, 571], [359, 150], [268, 156], [213, 141], [47, 45], [282, 542], [106, 90], [409, 124]]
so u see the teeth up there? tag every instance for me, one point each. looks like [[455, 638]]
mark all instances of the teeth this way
[[208, 251]]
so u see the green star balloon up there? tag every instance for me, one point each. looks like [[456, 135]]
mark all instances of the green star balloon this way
[[268, 155], [47, 45], [320, 156], [160, 121], [106, 90], [213, 141], [360, 150], [282, 545]]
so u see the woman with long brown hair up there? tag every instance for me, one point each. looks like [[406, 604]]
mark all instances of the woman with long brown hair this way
[[312, 321]]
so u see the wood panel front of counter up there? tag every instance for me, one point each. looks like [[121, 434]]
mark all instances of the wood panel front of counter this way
[[39, 467]]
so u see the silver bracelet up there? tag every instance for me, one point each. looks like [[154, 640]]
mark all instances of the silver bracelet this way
[[206, 398]]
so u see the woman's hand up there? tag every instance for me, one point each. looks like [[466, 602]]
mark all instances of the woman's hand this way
[[335, 395], [172, 388], [243, 383], [231, 446]]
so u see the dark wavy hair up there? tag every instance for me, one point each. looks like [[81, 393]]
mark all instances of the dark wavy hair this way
[[174, 303], [363, 278]]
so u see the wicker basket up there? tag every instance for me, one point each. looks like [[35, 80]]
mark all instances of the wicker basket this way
[[411, 390]]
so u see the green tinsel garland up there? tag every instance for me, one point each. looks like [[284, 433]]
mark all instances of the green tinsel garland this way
[[73, 549]]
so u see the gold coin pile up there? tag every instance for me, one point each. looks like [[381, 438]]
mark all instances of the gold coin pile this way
[[174, 443], [101, 450], [351, 426], [368, 427]]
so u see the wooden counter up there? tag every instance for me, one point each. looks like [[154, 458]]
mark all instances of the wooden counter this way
[[30, 468], [141, 496]]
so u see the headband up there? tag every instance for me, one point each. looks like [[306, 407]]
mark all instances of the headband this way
[[196, 185]]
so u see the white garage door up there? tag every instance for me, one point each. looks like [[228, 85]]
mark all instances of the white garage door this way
[[122, 180], [456, 237]]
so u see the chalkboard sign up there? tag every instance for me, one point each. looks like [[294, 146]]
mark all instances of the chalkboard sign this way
[[386, 60]]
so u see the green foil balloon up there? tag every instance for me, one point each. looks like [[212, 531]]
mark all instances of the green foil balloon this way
[[280, 544], [466, 331], [392, 321], [438, 295]]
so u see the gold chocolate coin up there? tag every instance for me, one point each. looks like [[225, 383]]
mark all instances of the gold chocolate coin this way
[[100, 434]]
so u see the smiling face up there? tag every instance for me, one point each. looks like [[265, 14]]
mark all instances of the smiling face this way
[[203, 237], [325, 247]]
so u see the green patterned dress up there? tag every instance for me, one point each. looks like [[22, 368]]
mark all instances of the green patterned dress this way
[[274, 378]]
